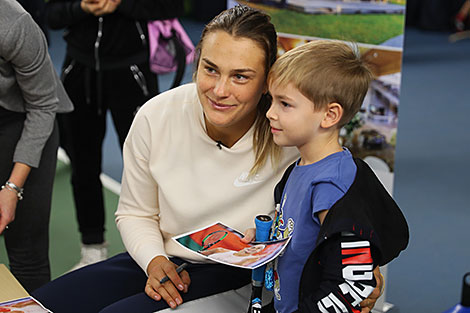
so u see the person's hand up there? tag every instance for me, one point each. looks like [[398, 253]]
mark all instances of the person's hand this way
[[368, 304], [158, 268], [99, 7], [249, 235], [8, 202]]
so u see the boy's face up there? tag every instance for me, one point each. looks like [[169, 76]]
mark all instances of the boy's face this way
[[292, 117]]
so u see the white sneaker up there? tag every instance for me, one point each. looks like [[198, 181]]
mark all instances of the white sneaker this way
[[92, 254]]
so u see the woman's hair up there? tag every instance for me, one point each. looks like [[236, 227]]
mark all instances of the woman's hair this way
[[246, 22]]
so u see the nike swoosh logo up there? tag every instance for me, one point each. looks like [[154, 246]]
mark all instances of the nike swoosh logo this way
[[244, 180]]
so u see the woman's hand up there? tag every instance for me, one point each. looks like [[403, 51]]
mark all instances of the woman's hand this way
[[8, 202], [368, 304], [8, 198], [158, 268]]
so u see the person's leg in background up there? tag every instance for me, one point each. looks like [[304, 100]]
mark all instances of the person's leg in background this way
[[27, 238], [82, 133]]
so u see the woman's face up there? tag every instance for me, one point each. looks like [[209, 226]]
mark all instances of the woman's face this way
[[230, 81]]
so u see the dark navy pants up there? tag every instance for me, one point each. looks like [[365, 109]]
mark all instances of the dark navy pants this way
[[117, 285]]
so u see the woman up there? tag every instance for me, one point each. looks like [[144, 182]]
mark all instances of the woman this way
[[30, 96], [196, 154]]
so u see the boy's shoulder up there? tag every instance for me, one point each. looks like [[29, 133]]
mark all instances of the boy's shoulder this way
[[368, 210], [337, 168]]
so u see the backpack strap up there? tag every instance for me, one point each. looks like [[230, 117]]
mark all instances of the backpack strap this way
[[282, 183], [180, 57]]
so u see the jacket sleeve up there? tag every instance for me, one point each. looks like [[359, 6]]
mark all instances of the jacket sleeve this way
[[137, 215], [25, 48], [347, 276], [150, 9], [64, 13]]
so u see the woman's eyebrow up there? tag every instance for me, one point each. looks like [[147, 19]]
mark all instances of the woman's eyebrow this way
[[210, 63], [238, 70]]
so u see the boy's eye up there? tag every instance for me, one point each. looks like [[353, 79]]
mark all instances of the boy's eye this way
[[285, 104]]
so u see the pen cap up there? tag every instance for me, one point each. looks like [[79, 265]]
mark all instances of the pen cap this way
[[263, 226]]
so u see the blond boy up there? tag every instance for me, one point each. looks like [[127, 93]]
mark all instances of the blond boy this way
[[334, 208]]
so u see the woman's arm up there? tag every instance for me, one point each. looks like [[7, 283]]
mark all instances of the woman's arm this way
[[25, 48], [138, 220]]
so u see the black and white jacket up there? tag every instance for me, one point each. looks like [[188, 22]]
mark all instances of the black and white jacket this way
[[363, 229]]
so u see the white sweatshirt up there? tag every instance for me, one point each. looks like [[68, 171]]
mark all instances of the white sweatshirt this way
[[176, 179]]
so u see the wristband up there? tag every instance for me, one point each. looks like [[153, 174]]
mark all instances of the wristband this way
[[12, 187]]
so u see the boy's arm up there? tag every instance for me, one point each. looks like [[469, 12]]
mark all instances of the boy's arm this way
[[347, 279]]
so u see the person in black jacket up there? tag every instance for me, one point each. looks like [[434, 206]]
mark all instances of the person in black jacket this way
[[341, 220], [106, 67]]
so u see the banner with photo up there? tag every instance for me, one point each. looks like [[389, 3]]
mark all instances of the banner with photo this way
[[377, 26]]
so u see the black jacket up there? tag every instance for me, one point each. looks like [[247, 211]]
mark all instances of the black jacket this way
[[367, 211], [124, 32]]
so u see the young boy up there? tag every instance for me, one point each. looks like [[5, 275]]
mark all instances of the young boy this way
[[343, 223]]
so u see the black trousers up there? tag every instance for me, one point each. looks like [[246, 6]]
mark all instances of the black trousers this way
[[27, 238], [117, 286], [121, 91]]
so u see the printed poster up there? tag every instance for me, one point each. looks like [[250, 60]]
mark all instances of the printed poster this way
[[23, 305], [223, 244]]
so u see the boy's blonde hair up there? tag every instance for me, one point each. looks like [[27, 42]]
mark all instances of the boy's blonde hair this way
[[325, 71]]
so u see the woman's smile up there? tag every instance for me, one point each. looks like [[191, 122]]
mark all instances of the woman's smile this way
[[220, 106]]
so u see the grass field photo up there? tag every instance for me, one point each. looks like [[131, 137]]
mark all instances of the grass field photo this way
[[363, 28]]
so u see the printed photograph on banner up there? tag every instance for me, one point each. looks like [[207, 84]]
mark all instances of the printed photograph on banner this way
[[223, 244], [377, 28], [23, 305], [377, 22]]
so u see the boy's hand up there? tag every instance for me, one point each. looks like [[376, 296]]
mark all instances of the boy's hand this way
[[368, 304], [249, 235], [158, 268]]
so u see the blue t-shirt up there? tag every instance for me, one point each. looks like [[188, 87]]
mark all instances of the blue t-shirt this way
[[309, 189]]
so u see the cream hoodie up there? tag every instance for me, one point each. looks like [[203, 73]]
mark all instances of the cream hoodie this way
[[176, 179]]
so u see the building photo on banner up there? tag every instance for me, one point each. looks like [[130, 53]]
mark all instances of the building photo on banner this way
[[377, 27]]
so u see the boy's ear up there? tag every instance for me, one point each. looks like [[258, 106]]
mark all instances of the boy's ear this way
[[333, 115]]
